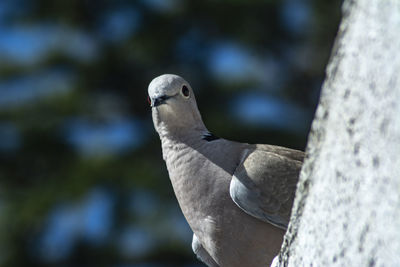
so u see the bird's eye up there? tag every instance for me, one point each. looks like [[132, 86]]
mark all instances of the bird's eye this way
[[185, 91]]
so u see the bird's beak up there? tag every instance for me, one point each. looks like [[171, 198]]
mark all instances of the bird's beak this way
[[159, 100]]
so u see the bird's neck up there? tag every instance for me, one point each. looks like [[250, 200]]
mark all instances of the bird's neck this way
[[178, 128], [176, 135]]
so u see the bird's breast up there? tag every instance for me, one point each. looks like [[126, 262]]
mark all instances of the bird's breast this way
[[200, 185]]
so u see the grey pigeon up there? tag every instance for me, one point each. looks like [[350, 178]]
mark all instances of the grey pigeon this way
[[236, 197]]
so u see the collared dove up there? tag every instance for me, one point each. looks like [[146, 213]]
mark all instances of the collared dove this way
[[236, 197]]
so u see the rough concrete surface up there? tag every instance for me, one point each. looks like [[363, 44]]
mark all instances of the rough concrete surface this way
[[347, 207]]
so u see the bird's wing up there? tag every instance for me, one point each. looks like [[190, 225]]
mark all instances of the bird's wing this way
[[282, 151], [264, 183]]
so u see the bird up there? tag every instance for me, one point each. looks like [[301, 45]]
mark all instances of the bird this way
[[236, 197]]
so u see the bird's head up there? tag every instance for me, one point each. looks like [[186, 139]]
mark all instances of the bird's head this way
[[173, 104]]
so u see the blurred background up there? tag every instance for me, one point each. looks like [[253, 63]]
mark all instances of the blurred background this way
[[82, 181]]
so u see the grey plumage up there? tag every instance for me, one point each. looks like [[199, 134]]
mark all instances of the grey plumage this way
[[236, 197], [264, 183]]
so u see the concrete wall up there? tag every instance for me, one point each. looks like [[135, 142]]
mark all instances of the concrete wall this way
[[347, 207]]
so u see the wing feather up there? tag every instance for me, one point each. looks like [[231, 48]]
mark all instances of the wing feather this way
[[264, 183]]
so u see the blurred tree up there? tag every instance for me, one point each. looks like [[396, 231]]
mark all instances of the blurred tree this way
[[82, 182]]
